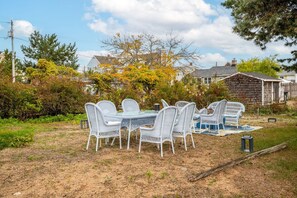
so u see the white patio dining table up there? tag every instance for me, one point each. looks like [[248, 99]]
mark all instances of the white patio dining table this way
[[133, 120]]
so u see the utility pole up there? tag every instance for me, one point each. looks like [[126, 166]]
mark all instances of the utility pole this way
[[11, 35]]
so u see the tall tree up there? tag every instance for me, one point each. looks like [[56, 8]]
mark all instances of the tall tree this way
[[48, 47], [149, 49], [268, 66], [6, 64], [265, 21]]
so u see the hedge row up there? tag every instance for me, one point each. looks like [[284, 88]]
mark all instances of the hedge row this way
[[54, 96]]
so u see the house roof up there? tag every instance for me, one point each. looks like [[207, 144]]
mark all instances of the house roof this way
[[215, 71], [287, 73], [256, 75], [105, 59]]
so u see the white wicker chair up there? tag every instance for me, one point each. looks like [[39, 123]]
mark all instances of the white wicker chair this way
[[233, 112], [181, 104], [107, 107], [216, 118], [130, 105], [184, 124], [99, 127], [164, 103], [162, 129]]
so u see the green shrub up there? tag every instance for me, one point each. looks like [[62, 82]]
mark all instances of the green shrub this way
[[62, 96], [18, 100]]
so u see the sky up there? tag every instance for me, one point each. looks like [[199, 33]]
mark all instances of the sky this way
[[205, 23]]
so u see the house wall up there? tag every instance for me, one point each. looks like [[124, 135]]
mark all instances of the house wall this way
[[291, 89], [267, 93], [93, 64], [246, 88]]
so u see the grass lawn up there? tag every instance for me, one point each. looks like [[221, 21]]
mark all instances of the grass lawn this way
[[47, 158]]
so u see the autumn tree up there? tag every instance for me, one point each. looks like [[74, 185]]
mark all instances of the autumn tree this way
[[268, 66], [149, 49], [48, 47], [265, 21], [45, 68]]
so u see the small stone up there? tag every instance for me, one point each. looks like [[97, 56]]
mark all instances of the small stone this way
[[17, 193], [184, 169]]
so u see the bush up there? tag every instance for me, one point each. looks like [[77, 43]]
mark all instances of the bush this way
[[62, 96], [18, 100]]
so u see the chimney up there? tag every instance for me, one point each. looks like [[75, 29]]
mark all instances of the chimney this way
[[234, 62]]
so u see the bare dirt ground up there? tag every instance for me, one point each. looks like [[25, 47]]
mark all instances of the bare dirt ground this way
[[57, 165]]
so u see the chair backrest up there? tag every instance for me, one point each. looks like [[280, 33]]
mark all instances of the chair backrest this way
[[165, 121], [95, 118], [107, 107], [219, 110], [164, 103], [231, 107], [185, 118], [180, 104], [130, 105]]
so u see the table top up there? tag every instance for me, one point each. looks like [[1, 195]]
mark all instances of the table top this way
[[133, 115]]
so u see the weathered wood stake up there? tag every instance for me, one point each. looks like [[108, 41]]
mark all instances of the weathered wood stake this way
[[232, 163]]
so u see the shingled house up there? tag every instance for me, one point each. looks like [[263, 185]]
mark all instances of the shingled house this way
[[254, 88]]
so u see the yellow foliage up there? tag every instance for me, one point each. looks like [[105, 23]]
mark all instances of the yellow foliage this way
[[45, 68]]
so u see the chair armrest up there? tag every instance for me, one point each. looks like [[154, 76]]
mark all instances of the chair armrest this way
[[146, 128], [113, 123]]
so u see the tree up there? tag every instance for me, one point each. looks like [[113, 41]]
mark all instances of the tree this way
[[265, 21], [6, 64], [268, 66], [48, 47], [149, 49], [45, 69]]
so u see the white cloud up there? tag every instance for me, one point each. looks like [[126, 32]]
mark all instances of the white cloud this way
[[279, 48], [153, 15], [1, 28], [197, 21], [23, 28], [212, 59]]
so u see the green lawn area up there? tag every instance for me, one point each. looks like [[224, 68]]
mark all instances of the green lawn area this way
[[16, 133]]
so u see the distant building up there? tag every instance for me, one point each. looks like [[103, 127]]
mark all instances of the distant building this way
[[289, 76], [96, 61], [182, 71], [215, 73]]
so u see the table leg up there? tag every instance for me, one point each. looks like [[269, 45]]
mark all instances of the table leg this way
[[129, 131]]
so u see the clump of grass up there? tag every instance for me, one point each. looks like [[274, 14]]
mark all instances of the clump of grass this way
[[17, 138], [163, 175], [149, 175], [58, 118]]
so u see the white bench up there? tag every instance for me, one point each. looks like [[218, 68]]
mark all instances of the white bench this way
[[233, 111]]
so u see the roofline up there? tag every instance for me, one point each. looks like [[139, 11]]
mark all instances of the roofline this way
[[265, 80]]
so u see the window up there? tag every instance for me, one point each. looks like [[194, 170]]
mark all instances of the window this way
[[207, 80]]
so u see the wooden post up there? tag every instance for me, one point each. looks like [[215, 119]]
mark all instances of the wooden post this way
[[232, 163]]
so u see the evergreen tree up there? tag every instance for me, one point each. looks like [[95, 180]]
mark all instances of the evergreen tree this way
[[48, 47]]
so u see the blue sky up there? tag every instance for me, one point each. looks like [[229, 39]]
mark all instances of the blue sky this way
[[87, 22]]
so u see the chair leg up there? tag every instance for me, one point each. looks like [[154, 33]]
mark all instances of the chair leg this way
[[88, 143], [172, 145], [112, 142], [97, 143], [139, 144], [161, 149], [128, 144], [193, 143], [185, 142], [120, 138]]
